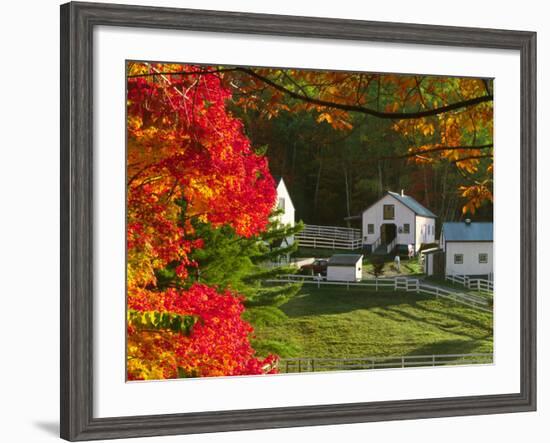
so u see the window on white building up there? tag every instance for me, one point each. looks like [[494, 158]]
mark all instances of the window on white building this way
[[459, 259], [282, 203], [483, 258], [406, 228], [370, 228], [389, 212]]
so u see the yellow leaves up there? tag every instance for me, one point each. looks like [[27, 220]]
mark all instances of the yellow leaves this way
[[325, 116], [427, 129], [337, 119]]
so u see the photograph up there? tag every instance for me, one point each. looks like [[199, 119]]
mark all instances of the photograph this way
[[284, 220]]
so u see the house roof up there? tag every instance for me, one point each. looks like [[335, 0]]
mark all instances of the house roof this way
[[473, 231], [413, 205], [344, 259], [431, 251]]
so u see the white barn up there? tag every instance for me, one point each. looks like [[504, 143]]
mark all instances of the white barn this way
[[468, 247], [284, 203], [345, 267], [397, 220]]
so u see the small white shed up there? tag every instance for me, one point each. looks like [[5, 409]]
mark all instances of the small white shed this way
[[433, 261], [345, 267], [468, 247]]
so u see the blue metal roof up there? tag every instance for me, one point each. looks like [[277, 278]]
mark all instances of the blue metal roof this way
[[473, 231], [412, 204]]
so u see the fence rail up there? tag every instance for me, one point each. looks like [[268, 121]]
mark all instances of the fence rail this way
[[326, 242], [334, 237], [333, 231], [481, 284], [395, 283], [290, 365]]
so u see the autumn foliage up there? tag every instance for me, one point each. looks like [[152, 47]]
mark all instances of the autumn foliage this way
[[188, 159], [193, 175]]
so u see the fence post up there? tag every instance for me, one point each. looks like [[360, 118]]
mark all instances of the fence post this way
[[417, 286], [402, 362], [312, 365], [395, 284], [437, 292], [433, 360], [333, 244]]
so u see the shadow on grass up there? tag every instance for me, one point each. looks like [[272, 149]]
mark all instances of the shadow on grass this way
[[447, 322], [451, 347], [462, 318], [327, 301]]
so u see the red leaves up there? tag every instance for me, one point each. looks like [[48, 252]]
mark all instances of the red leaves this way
[[188, 158], [218, 343]]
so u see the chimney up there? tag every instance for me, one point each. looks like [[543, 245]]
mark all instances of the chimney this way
[[402, 193], [467, 221]]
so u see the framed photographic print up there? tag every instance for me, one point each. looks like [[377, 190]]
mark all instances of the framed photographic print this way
[[273, 221]]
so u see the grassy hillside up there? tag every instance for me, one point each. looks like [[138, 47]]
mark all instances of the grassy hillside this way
[[334, 322]]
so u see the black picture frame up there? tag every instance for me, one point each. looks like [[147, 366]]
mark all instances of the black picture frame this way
[[77, 23]]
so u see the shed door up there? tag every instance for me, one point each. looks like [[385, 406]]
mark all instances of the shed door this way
[[439, 263]]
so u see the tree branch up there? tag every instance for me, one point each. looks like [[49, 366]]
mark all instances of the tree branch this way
[[202, 72], [473, 157], [437, 149], [369, 111], [329, 104]]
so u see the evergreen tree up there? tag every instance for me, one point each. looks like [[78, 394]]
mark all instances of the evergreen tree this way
[[230, 261]]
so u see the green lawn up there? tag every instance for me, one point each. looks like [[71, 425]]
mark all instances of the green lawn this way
[[408, 267], [334, 322]]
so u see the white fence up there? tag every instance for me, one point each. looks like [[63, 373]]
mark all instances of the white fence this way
[[290, 365], [481, 284], [332, 237], [396, 284]]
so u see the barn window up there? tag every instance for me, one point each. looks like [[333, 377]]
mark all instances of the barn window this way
[[389, 212], [407, 228], [370, 228], [459, 259], [282, 203], [483, 258]]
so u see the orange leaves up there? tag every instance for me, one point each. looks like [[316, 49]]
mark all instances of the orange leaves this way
[[476, 195]]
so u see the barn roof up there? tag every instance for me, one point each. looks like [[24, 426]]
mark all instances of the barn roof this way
[[463, 231], [344, 259], [413, 205]]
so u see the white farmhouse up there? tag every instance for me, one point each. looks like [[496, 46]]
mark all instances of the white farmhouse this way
[[468, 247], [284, 203], [345, 267], [397, 220]]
